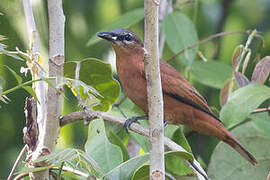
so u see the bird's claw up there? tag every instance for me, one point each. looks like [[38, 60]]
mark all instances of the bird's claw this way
[[131, 120], [165, 124]]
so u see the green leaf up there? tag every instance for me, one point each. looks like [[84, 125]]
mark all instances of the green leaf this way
[[31, 91], [117, 141], [261, 121], [97, 75], [180, 33], [174, 163], [98, 147], [211, 73], [242, 102], [125, 170], [74, 157], [227, 164], [142, 173], [179, 138], [18, 78], [125, 21], [141, 140]]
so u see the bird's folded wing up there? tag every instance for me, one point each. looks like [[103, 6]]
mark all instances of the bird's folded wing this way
[[175, 86]]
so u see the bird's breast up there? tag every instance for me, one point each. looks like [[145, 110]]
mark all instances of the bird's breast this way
[[133, 82]]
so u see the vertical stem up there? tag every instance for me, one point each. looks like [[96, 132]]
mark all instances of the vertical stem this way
[[154, 90], [56, 62], [40, 87]]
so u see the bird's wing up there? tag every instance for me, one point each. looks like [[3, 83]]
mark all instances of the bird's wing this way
[[175, 86], [174, 83]]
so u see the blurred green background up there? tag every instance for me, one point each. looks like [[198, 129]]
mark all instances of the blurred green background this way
[[83, 19]]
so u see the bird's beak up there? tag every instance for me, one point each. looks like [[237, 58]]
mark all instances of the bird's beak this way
[[109, 36]]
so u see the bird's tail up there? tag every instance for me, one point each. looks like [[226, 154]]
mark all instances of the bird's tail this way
[[235, 144]]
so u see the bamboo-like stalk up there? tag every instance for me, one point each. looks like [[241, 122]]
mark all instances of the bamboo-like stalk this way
[[154, 90], [49, 108], [39, 86]]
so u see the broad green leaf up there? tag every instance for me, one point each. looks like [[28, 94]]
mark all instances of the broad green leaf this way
[[227, 164], [98, 147], [142, 173], [242, 102], [211, 73], [97, 75], [72, 156], [117, 141], [261, 121], [179, 138], [18, 78], [141, 140], [31, 91], [125, 21], [170, 129], [174, 164], [180, 33], [125, 170]]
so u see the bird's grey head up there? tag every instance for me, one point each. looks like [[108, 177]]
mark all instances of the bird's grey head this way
[[122, 38]]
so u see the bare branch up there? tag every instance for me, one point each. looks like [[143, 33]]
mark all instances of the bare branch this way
[[154, 90], [37, 73], [91, 115]]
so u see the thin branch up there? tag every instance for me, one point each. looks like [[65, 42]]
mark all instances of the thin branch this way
[[74, 171], [210, 38], [154, 90], [39, 86], [260, 110], [20, 176], [91, 115], [24, 149]]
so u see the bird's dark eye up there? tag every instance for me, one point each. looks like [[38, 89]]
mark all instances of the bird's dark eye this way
[[127, 37]]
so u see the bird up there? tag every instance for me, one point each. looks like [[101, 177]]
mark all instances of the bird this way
[[183, 104]]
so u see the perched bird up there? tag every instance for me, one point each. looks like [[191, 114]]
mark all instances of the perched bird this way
[[183, 104]]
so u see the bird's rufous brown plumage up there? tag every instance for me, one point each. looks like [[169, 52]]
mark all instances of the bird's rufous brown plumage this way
[[183, 104]]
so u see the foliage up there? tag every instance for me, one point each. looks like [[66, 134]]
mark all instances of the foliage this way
[[236, 69]]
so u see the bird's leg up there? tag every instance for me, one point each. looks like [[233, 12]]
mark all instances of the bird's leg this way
[[131, 120], [165, 123]]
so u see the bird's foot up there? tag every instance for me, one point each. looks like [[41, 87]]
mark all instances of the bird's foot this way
[[131, 120], [165, 123]]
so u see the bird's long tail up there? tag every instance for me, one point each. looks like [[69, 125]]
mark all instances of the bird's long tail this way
[[235, 144]]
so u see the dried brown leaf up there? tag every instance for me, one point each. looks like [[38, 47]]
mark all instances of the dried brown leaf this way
[[261, 71], [241, 79]]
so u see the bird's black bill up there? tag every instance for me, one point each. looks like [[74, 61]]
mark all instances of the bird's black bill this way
[[107, 36]]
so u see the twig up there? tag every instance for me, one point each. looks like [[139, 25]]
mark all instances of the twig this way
[[210, 38], [91, 115], [74, 171], [17, 162], [260, 110], [20, 176]]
